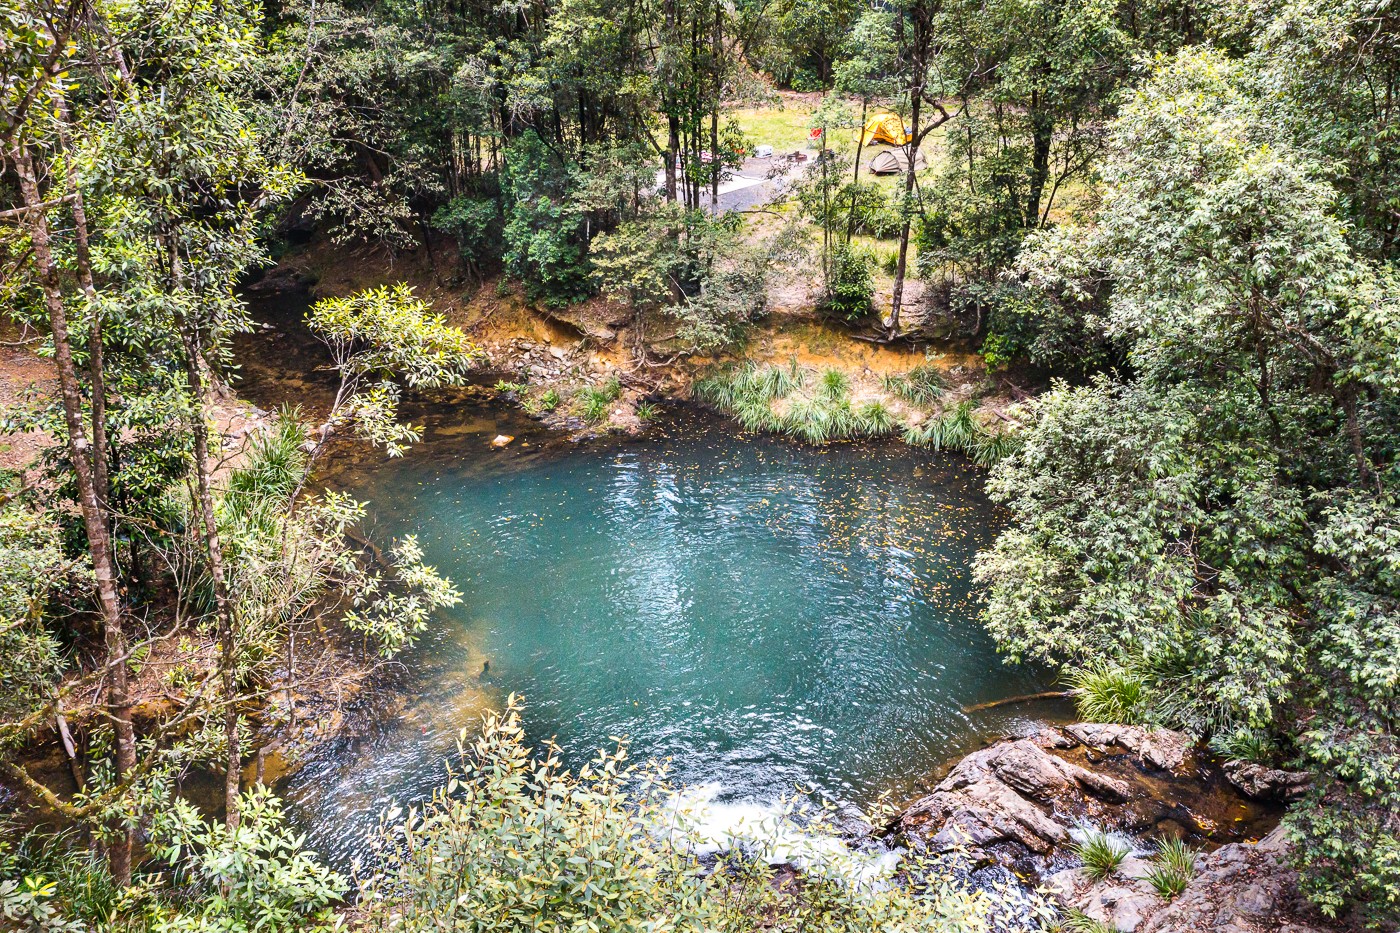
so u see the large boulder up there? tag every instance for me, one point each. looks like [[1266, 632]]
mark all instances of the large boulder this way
[[1240, 888], [1160, 748], [1013, 792]]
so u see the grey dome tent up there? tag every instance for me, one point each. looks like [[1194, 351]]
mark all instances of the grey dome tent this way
[[895, 161]]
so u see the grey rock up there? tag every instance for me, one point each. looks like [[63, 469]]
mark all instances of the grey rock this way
[[1161, 748], [1262, 783]]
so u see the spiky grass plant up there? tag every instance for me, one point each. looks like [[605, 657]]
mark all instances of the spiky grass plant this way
[[593, 405], [757, 415], [777, 382], [276, 462], [1076, 921], [922, 385], [991, 447], [1172, 868], [874, 418], [1101, 854], [648, 411], [1105, 692], [834, 383], [951, 430]]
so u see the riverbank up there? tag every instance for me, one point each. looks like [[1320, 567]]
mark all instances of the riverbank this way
[[597, 367]]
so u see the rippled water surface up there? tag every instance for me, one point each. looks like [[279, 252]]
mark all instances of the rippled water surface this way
[[765, 616]]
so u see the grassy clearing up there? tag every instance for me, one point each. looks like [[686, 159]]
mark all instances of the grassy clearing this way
[[818, 407]]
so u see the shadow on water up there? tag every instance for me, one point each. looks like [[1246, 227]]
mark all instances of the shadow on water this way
[[763, 615]]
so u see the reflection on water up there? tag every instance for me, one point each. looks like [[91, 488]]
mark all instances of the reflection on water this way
[[763, 615]]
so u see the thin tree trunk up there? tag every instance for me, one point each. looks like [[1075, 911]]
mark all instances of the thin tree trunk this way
[[94, 521], [714, 113], [897, 298], [223, 605], [855, 177]]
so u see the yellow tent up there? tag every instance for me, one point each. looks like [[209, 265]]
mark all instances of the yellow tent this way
[[885, 128]]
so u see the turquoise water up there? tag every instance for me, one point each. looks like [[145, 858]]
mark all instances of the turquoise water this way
[[764, 615]]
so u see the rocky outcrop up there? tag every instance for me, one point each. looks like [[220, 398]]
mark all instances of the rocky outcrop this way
[[1006, 794], [1020, 804], [1161, 748], [1241, 887], [1017, 802]]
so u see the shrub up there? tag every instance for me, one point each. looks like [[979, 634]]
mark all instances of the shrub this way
[[1106, 693], [1173, 868], [850, 287], [1101, 854], [516, 839]]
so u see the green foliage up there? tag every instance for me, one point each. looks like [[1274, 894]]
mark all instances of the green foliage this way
[[1076, 921], [1222, 522], [32, 568], [922, 385], [548, 400], [594, 402], [834, 383], [874, 418], [1104, 693], [378, 336], [1172, 868], [1101, 853], [850, 286], [476, 225], [517, 838], [257, 878]]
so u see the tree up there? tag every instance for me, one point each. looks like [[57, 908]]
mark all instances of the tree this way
[[1187, 523]]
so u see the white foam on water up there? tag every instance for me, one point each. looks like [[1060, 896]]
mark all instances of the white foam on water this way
[[770, 831]]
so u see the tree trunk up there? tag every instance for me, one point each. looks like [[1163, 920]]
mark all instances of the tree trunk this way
[[855, 176], [897, 298], [223, 605], [1042, 135], [94, 520], [714, 112]]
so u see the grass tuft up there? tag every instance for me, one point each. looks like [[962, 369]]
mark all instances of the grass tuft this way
[[875, 417], [593, 403], [1101, 854], [1105, 693], [922, 385], [1076, 921], [1173, 868], [834, 384]]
